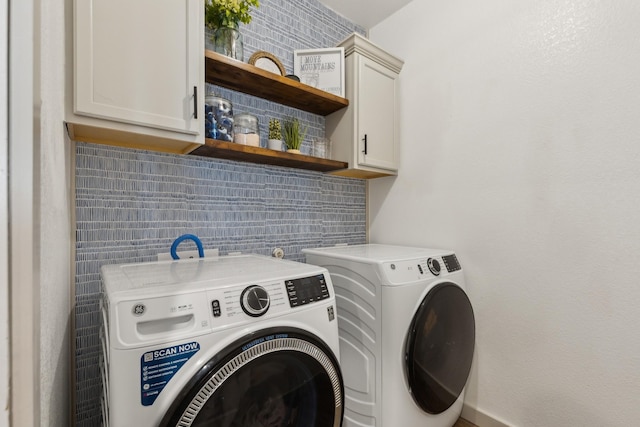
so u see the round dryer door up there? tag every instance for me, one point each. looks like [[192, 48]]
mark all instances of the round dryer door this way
[[439, 348], [276, 378]]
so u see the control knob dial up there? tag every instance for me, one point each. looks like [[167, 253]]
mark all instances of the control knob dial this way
[[434, 266], [255, 300]]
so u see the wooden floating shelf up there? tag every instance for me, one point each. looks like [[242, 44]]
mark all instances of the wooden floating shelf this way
[[236, 75], [245, 153]]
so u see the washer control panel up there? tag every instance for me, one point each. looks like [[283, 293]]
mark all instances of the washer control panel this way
[[306, 290], [238, 304], [158, 302]]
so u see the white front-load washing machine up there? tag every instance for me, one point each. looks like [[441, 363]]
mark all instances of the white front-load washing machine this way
[[407, 333], [229, 341]]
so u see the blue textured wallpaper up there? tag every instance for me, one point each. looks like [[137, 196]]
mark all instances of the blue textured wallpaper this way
[[131, 204]]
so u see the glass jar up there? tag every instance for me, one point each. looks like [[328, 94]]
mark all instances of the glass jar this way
[[228, 41], [245, 129], [321, 148], [218, 118]]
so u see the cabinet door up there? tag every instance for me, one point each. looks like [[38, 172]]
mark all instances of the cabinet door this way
[[140, 62], [377, 115]]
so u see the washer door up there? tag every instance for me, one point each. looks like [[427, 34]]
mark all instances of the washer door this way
[[273, 378], [439, 348]]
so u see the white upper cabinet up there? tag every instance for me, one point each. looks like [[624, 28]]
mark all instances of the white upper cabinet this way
[[377, 115], [366, 134], [139, 73]]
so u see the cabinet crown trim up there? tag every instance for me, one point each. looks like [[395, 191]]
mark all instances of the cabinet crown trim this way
[[363, 46]]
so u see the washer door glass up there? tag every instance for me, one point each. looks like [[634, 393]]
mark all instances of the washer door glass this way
[[439, 348], [271, 379]]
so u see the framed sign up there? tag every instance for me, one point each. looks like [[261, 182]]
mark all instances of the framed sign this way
[[267, 61], [321, 68]]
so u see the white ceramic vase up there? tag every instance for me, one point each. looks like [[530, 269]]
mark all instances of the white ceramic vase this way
[[275, 144]]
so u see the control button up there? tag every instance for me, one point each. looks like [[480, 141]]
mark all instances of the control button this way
[[138, 309], [254, 301], [434, 266], [215, 306], [331, 313]]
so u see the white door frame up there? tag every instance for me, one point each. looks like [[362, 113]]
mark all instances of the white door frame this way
[[23, 255]]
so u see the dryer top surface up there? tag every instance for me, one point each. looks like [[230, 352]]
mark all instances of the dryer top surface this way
[[394, 265], [376, 253], [198, 274]]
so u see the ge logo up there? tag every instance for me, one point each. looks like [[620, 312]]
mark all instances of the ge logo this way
[[138, 309]]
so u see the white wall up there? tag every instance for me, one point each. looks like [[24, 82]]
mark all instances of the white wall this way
[[4, 219], [521, 151]]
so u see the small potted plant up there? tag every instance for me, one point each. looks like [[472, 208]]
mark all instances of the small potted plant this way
[[275, 135], [293, 135]]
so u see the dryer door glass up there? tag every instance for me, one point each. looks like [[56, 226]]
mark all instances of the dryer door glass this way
[[439, 348], [282, 379]]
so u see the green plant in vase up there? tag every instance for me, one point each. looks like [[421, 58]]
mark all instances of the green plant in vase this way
[[293, 134], [275, 135], [274, 129], [224, 17]]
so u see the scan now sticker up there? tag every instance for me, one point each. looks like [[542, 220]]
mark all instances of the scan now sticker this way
[[157, 367]]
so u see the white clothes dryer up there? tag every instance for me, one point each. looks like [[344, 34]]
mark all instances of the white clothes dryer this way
[[407, 333], [229, 341]]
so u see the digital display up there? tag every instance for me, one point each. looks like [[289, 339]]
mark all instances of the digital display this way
[[307, 289], [451, 262]]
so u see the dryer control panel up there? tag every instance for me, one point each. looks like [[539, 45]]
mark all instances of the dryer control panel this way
[[434, 265], [404, 271]]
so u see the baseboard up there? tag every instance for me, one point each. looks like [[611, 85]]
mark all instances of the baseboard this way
[[481, 419]]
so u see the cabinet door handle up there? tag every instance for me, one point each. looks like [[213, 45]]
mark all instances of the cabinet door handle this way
[[365, 144], [195, 102]]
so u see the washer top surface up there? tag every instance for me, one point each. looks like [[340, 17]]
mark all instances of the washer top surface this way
[[201, 273], [376, 253]]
